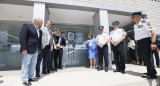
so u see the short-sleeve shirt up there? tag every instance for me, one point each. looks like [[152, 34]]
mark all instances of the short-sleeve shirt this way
[[131, 42], [117, 34], [142, 29], [102, 38]]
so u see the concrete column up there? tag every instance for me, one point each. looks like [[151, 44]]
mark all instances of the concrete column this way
[[101, 18], [40, 10]]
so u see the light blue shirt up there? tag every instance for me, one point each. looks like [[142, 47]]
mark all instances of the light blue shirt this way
[[37, 31]]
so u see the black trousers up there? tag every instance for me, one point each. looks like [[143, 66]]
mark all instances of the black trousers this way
[[140, 59], [58, 54], [146, 54], [51, 61], [132, 54], [156, 57], [45, 55], [103, 52], [119, 57]]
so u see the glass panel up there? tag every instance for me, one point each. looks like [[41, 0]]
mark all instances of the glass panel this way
[[80, 56], [10, 56]]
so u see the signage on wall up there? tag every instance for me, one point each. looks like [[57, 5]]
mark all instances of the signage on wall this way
[[70, 36]]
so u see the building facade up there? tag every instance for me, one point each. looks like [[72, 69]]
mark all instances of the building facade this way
[[78, 16]]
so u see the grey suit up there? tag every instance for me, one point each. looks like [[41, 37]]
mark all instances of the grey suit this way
[[45, 52], [45, 38]]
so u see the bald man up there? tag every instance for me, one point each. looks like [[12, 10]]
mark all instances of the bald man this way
[[30, 41]]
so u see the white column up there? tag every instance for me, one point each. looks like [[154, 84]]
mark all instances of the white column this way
[[40, 11], [101, 18]]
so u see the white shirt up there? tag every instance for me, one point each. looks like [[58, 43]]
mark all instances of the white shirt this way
[[37, 31], [142, 29], [49, 36], [90, 42], [102, 38], [117, 34], [131, 42]]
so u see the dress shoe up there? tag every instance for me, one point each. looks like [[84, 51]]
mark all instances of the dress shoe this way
[[44, 72], [123, 72], [32, 80], [99, 69], [52, 69], [145, 73], [144, 76], [48, 71], [27, 84], [55, 70], [37, 75], [152, 77], [106, 70], [116, 71]]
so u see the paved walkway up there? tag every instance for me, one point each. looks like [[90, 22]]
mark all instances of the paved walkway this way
[[81, 76]]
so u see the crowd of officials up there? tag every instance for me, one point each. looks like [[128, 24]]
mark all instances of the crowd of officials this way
[[41, 44]]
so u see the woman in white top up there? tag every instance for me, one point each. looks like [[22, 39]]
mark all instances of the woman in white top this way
[[131, 47]]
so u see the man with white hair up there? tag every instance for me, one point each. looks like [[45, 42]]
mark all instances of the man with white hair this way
[[30, 41]]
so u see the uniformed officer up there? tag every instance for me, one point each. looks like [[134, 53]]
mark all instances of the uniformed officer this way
[[117, 37], [146, 41], [102, 39]]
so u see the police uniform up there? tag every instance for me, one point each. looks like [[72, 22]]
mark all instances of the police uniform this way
[[119, 55], [143, 38], [101, 39]]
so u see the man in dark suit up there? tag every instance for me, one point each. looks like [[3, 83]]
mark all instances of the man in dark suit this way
[[30, 41], [61, 43]]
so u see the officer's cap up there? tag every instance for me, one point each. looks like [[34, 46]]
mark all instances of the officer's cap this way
[[116, 22], [100, 27], [136, 13]]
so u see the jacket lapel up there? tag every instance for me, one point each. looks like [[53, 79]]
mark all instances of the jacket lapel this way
[[33, 27]]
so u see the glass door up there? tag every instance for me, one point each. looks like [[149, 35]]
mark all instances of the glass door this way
[[75, 53]]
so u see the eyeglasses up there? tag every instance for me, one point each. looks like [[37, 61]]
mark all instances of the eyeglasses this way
[[49, 24]]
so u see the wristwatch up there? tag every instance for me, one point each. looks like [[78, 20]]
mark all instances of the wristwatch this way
[[153, 43]]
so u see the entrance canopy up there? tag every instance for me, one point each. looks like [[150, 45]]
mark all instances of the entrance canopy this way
[[64, 12]]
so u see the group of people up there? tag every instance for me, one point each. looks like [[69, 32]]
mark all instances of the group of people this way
[[39, 44], [98, 47], [132, 51], [145, 37]]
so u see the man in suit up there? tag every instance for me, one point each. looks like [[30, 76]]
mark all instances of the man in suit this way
[[55, 32], [61, 43], [47, 47], [30, 41]]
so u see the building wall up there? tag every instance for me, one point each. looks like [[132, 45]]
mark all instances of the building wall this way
[[151, 8]]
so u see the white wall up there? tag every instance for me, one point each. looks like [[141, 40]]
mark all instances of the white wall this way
[[151, 8]]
